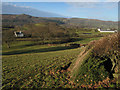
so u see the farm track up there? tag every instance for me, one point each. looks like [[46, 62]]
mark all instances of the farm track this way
[[80, 59]]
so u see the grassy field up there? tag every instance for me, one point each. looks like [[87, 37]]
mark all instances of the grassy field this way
[[26, 65]]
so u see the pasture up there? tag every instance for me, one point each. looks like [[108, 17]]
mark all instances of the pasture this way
[[30, 65], [36, 66]]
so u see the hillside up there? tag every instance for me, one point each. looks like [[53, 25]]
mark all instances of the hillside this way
[[97, 64], [23, 19], [59, 53], [9, 19], [28, 64]]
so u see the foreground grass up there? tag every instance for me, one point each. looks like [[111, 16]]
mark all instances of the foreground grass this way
[[26, 65], [97, 65], [38, 70]]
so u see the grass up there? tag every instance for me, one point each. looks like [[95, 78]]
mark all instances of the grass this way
[[97, 69], [21, 47], [37, 69], [28, 48], [87, 40], [29, 65], [40, 24], [90, 72]]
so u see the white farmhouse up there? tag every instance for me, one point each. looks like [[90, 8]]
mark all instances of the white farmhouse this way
[[19, 34], [112, 31]]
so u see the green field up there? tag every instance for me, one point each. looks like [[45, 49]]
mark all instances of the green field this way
[[55, 52], [28, 65], [36, 69]]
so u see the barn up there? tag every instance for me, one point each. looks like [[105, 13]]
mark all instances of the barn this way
[[112, 31], [19, 34]]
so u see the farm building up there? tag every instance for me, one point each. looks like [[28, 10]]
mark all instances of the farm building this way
[[108, 30], [19, 34]]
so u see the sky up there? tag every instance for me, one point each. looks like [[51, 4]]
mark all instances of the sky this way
[[60, 0], [107, 11]]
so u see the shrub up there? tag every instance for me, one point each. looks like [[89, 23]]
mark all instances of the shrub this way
[[106, 46]]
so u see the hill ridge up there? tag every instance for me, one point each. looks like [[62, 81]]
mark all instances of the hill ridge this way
[[22, 19]]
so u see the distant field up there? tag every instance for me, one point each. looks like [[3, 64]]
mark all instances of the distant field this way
[[22, 47]]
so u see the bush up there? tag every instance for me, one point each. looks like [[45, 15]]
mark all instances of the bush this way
[[106, 46]]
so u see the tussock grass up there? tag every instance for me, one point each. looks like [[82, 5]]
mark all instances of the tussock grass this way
[[99, 64]]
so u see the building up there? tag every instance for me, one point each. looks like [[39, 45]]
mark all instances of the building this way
[[108, 30], [19, 34]]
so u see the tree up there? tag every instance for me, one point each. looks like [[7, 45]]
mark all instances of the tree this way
[[8, 37]]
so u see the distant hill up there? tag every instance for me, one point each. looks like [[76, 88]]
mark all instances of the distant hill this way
[[91, 23], [87, 23], [10, 19]]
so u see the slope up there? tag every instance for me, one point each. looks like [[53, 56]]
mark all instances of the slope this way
[[97, 65], [21, 19]]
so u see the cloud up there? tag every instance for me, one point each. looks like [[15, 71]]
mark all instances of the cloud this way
[[112, 0], [93, 9], [60, 1], [82, 4], [9, 8], [76, 5], [14, 5]]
